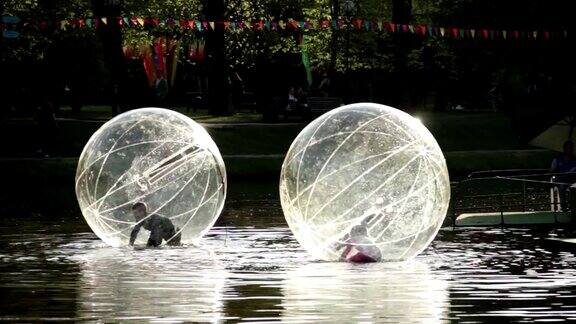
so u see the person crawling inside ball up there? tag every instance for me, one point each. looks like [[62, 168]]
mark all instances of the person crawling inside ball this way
[[160, 228], [358, 247]]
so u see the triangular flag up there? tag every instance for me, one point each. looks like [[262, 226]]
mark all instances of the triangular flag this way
[[546, 35], [431, 30], [504, 34], [392, 27], [89, 22], [226, 25], [248, 25], [455, 32], [462, 32], [198, 25], [126, 21], [405, 28], [211, 23], [423, 30], [357, 23], [367, 24], [267, 25], [233, 25], [442, 31], [282, 24], [411, 28], [104, 20], [473, 33], [63, 24], [302, 24], [565, 33], [491, 34], [274, 25], [140, 21], [485, 33], [535, 34], [205, 25]]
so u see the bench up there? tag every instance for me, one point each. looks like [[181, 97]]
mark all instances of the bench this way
[[320, 105]]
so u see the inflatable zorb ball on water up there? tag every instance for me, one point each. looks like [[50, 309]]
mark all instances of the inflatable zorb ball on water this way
[[365, 177], [157, 157]]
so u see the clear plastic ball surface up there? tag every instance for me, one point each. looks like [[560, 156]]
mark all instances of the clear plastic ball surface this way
[[157, 162], [365, 182]]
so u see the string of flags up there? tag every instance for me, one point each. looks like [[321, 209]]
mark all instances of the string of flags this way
[[12, 26]]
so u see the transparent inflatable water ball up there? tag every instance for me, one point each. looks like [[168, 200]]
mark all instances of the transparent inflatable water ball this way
[[365, 182], [155, 170]]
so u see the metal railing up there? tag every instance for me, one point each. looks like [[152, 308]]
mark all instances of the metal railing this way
[[513, 191]]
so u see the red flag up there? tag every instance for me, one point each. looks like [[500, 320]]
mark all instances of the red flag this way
[[455, 32], [423, 29], [546, 35], [160, 53], [485, 33], [146, 55], [392, 27]]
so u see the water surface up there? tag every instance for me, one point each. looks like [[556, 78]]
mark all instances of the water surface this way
[[251, 269]]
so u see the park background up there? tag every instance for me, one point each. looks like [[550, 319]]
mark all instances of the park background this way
[[485, 77]]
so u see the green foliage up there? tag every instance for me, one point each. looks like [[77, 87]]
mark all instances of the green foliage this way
[[354, 50]]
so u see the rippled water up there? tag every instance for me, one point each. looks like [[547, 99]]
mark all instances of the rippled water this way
[[58, 270]]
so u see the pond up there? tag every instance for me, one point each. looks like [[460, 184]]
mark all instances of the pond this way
[[251, 269]]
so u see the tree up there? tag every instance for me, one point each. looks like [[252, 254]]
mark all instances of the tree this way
[[219, 101]]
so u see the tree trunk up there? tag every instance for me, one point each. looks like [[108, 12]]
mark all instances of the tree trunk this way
[[219, 92], [401, 14], [111, 37], [334, 40], [401, 11]]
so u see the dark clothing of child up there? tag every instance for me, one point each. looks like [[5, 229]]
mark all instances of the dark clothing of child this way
[[161, 228]]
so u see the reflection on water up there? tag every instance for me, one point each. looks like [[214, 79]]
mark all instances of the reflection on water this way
[[384, 292], [120, 284], [253, 271]]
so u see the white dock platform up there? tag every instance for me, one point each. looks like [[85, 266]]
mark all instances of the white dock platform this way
[[513, 218]]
